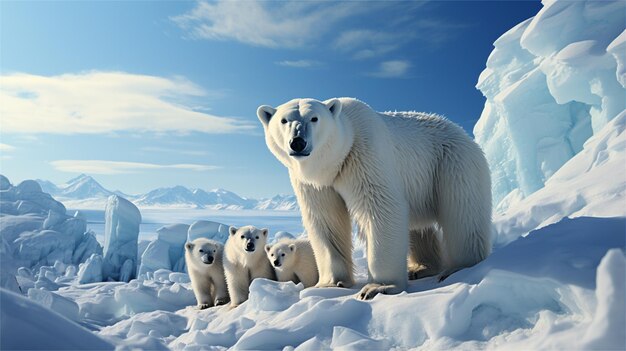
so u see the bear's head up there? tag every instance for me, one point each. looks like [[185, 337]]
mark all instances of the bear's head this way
[[204, 251], [306, 135], [281, 254], [248, 238]]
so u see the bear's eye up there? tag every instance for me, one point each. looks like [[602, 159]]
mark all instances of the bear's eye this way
[[283, 255], [242, 236], [314, 119], [272, 255], [213, 250], [283, 121], [201, 251], [257, 238]]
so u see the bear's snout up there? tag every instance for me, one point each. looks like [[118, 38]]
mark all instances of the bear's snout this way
[[207, 259], [250, 246], [276, 263], [298, 144]]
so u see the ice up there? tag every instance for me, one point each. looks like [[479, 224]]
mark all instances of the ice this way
[[208, 229], [5, 184], [122, 220], [175, 235], [27, 325], [91, 270], [36, 232], [596, 194], [55, 302], [87, 247], [558, 70], [283, 235], [155, 257], [607, 328]]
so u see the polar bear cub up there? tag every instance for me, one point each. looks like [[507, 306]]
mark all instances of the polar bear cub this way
[[206, 271], [244, 260], [293, 260]]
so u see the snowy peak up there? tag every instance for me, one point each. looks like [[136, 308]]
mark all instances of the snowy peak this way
[[84, 187], [279, 202], [85, 192]]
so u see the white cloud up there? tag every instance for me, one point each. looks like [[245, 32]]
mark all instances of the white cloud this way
[[117, 167], [174, 151], [299, 63], [392, 69], [369, 43], [103, 102], [6, 147], [269, 24]]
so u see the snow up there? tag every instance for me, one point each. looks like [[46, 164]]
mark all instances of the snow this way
[[27, 325], [562, 70], [120, 239], [555, 280]]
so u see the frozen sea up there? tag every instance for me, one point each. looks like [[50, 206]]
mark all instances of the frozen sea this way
[[152, 219]]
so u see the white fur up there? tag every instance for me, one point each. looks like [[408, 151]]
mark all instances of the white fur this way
[[405, 180], [241, 266], [207, 280], [293, 260]]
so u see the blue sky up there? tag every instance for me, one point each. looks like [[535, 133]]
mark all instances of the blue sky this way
[[146, 94]]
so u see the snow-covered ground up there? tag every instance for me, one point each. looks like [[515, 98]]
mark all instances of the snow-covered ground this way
[[556, 278]]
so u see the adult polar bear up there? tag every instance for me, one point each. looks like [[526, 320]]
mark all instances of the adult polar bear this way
[[402, 178]]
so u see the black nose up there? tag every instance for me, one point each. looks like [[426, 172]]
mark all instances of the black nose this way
[[297, 144], [210, 260], [276, 263], [249, 246]]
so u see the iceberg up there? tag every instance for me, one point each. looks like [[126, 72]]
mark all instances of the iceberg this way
[[551, 83], [121, 230], [175, 235], [208, 229]]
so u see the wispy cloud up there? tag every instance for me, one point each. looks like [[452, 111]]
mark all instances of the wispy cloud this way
[[174, 151], [369, 43], [117, 167], [6, 147], [299, 63], [392, 69], [268, 24], [104, 102]]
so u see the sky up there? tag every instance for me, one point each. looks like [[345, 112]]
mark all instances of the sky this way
[[143, 94]]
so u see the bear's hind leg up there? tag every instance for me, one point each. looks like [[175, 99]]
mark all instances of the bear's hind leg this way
[[424, 253]]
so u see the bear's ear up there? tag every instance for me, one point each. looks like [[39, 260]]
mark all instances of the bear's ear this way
[[292, 247], [189, 246], [334, 106], [268, 248], [265, 231], [232, 230], [265, 113]]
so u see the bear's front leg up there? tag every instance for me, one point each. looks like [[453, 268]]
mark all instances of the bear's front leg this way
[[386, 232], [327, 222], [221, 291], [201, 289], [238, 286]]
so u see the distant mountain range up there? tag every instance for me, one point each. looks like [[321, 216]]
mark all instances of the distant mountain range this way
[[85, 192]]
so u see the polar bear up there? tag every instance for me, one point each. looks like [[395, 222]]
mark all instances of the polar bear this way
[[293, 260], [416, 184], [203, 258], [244, 260]]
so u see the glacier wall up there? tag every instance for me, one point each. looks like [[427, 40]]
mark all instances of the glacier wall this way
[[551, 83]]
